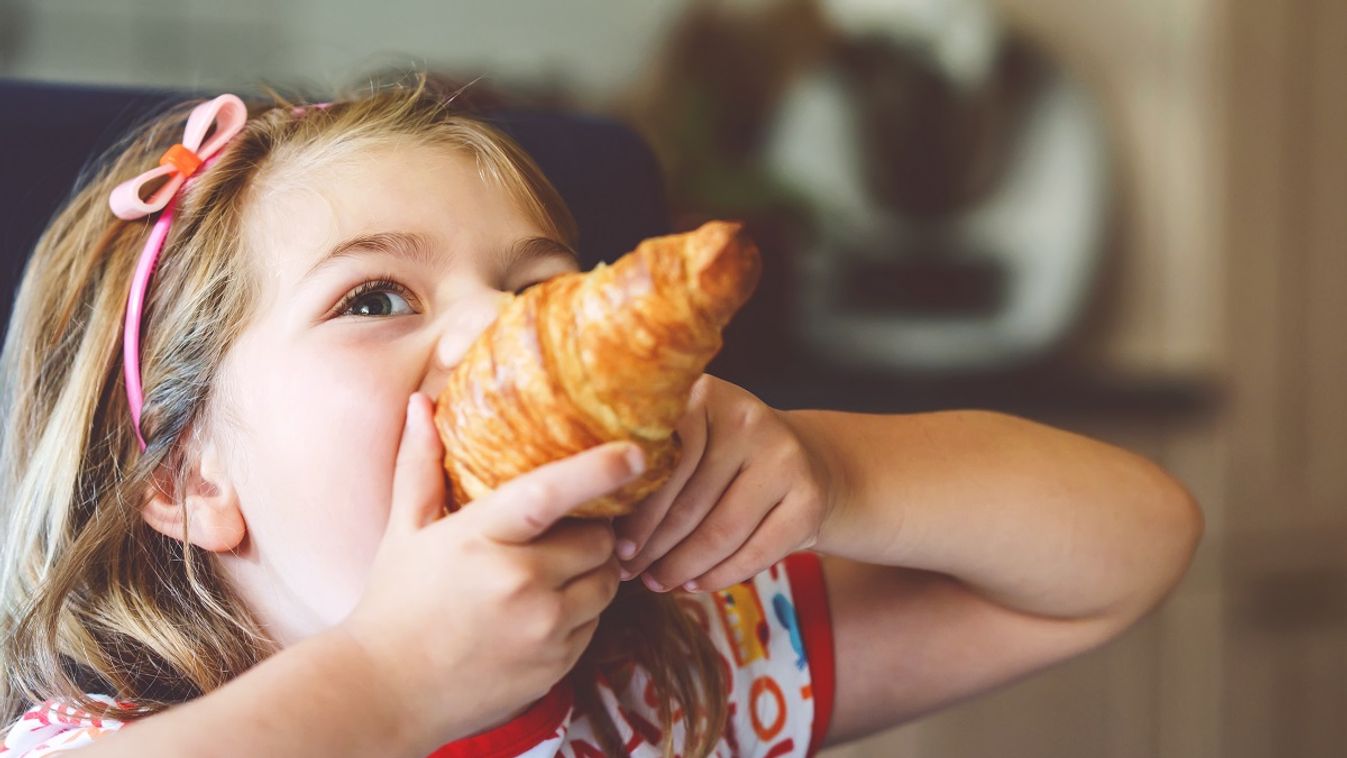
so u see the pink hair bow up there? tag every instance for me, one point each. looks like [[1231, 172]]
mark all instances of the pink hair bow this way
[[227, 114]]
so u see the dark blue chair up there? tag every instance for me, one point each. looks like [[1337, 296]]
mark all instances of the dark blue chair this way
[[50, 133]]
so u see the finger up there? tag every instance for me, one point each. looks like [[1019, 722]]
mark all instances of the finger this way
[[526, 506], [724, 531], [572, 548], [418, 474], [585, 597], [634, 529], [779, 535], [711, 479]]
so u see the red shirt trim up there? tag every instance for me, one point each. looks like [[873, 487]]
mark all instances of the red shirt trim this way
[[805, 572], [530, 728]]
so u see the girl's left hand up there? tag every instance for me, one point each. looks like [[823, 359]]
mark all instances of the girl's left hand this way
[[746, 493]]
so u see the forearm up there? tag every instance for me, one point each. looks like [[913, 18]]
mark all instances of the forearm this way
[[1035, 519], [314, 698]]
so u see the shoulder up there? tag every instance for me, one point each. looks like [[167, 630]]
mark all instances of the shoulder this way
[[54, 726]]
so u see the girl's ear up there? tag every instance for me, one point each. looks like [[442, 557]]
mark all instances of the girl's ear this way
[[214, 520]]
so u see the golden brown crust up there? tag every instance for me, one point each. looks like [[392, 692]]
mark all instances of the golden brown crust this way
[[585, 359]]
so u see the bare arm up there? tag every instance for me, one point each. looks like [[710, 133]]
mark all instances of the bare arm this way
[[966, 549], [323, 683]]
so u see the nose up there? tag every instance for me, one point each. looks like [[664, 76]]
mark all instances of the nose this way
[[461, 326]]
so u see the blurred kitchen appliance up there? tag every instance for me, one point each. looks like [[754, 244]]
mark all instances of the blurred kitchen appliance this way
[[958, 180]]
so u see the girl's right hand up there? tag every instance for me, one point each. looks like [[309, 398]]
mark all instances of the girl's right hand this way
[[469, 618]]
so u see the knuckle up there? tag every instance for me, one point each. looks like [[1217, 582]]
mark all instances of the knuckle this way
[[534, 523], [700, 387], [550, 614], [536, 491], [681, 512], [614, 468], [717, 536], [750, 412], [788, 453], [474, 546], [746, 416], [540, 621], [514, 579]]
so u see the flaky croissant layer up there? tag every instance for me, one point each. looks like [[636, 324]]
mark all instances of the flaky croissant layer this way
[[588, 358]]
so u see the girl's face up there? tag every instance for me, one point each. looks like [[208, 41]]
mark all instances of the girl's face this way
[[377, 273]]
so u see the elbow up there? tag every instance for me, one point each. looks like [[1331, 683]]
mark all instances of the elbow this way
[[1174, 526], [1186, 525], [1196, 522], [1176, 529]]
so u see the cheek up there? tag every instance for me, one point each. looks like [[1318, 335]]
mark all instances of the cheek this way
[[319, 442]]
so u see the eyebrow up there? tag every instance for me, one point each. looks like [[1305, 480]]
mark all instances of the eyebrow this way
[[417, 249], [533, 248], [412, 247]]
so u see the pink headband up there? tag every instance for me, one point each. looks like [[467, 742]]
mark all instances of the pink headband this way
[[227, 114]]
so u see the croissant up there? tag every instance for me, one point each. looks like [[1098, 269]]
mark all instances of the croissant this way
[[588, 358]]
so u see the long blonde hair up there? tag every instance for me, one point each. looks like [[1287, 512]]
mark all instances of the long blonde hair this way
[[91, 598]]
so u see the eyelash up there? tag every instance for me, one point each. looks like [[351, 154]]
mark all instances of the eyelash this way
[[386, 284], [380, 284]]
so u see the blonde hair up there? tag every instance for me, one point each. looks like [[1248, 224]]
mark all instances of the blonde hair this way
[[94, 600]]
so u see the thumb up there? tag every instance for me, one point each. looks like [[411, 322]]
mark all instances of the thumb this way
[[418, 476], [531, 503]]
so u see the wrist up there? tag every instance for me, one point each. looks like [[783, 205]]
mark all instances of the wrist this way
[[814, 429], [389, 695]]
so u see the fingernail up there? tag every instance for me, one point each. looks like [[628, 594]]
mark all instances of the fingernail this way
[[626, 549], [691, 587], [651, 583], [635, 459], [624, 573]]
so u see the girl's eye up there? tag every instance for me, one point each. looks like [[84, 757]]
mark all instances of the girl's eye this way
[[531, 285], [376, 298]]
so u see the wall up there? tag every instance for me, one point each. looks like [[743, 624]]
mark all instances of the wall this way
[[196, 43]]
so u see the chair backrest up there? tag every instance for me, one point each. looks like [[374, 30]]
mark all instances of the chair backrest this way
[[50, 133]]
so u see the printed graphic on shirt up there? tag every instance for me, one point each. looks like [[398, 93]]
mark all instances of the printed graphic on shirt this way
[[53, 727], [771, 710]]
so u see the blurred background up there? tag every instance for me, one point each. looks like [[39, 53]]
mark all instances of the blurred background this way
[[1118, 216]]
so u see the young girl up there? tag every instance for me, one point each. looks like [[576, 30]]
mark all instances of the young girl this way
[[228, 536]]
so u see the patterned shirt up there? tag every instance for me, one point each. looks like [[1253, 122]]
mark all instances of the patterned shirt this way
[[774, 635]]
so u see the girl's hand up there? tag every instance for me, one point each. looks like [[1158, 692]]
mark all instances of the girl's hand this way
[[477, 614], [746, 493]]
